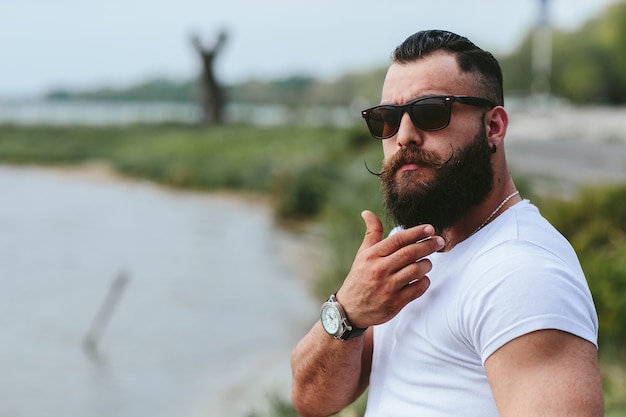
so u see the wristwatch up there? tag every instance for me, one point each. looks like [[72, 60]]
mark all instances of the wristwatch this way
[[335, 322]]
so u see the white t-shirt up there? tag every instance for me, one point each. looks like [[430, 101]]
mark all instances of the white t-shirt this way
[[515, 276]]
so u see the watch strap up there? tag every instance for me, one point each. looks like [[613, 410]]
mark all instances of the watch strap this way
[[352, 332]]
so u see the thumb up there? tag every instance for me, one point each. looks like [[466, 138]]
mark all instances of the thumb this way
[[373, 230]]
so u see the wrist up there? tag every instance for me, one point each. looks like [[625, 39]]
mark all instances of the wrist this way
[[335, 321]]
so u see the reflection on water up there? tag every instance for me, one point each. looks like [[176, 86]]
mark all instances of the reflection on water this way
[[205, 323]]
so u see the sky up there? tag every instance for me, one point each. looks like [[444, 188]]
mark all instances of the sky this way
[[78, 44]]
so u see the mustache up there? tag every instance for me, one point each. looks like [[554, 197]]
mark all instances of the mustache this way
[[412, 155]]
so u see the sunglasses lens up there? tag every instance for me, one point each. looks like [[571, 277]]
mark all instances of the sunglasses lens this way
[[383, 122], [430, 114]]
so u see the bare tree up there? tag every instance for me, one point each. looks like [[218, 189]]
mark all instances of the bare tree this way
[[211, 93]]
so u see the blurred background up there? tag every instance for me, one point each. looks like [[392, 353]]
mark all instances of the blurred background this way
[[181, 184]]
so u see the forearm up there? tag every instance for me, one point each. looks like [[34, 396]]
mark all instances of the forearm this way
[[330, 374], [327, 374]]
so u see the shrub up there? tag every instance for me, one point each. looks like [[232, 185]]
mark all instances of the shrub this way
[[595, 224]]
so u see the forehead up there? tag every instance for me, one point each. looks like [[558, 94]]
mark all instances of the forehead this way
[[437, 73]]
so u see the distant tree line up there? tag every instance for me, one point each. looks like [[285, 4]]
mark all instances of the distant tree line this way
[[159, 89], [588, 66]]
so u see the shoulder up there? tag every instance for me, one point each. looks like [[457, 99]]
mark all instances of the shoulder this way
[[522, 237], [523, 276]]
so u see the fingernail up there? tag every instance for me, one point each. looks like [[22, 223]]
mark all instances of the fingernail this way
[[429, 229], [440, 242]]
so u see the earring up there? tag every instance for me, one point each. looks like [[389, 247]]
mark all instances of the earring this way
[[493, 148]]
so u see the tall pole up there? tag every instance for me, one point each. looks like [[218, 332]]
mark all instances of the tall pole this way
[[541, 54]]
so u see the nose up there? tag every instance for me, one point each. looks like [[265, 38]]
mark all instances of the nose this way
[[408, 133]]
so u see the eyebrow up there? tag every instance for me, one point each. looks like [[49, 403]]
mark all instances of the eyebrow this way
[[417, 97]]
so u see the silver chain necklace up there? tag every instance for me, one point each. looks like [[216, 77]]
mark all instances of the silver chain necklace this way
[[493, 213]]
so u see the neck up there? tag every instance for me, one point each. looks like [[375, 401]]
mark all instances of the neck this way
[[494, 205]]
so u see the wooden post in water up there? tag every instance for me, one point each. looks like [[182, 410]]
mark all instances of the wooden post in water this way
[[94, 334]]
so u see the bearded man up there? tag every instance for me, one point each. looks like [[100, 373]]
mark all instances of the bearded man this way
[[504, 323]]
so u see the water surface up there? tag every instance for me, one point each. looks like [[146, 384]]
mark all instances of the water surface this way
[[204, 326]]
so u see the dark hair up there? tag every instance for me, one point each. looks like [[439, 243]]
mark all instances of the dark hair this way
[[469, 57]]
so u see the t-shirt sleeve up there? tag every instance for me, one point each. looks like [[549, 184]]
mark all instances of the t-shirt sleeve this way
[[519, 288]]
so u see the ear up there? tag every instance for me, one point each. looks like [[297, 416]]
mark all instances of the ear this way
[[496, 122]]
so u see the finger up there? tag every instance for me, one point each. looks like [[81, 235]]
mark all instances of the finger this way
[[373, 230], [412, 244], [409, 292], [415, 289], [406, 237], [409, 254], [413, 272]]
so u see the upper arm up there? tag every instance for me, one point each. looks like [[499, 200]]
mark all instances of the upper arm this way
[[547, 373]]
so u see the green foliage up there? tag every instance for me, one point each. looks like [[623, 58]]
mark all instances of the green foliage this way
[[359, 138], [159, 89], [295, 166], [516, 70], [306, 91], [343, 225], [296, 90], [290, 90], [614, 385], [595, 224], [579, 67], [361, 86], [588, 65], [304, 193]]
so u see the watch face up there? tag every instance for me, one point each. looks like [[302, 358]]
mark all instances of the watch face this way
[[330, 318]]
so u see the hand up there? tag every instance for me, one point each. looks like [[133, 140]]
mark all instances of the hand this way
[[387, 274]]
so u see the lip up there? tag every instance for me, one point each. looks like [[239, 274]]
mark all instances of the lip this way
[[408, 167]]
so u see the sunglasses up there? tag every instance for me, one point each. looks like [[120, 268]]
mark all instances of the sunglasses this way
[[427, 113]]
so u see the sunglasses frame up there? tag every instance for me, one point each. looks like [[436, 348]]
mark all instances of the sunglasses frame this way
[[400, 109]]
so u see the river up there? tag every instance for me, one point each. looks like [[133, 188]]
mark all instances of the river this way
[[203, 327]]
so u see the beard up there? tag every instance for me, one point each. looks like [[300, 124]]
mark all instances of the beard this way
[[458, 183]]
